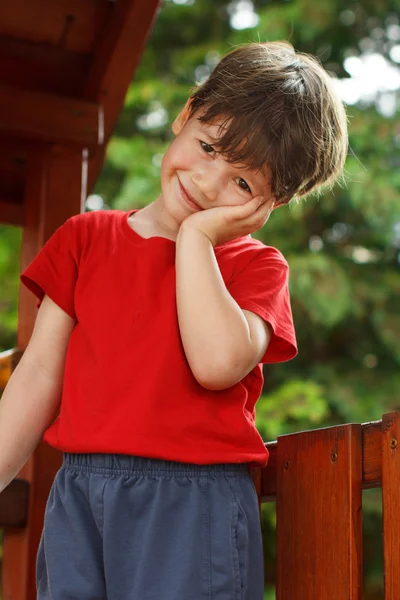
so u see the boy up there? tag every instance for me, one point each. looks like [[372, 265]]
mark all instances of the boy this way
[[152, 328]]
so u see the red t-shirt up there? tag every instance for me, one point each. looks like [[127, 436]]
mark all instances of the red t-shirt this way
[[128, 388]]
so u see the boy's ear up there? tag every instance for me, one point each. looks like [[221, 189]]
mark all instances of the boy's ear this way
[[182, 118]]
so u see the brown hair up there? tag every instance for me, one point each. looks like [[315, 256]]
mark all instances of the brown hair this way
[[279, 109]]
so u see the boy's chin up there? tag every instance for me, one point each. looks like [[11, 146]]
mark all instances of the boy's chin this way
[[176, 210]]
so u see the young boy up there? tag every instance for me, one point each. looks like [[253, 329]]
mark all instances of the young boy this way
[[145, 363]]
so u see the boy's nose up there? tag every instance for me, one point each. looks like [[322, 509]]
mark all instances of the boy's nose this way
[[208, 185]]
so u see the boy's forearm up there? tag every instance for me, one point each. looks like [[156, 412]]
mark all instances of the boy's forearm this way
[[214, 331], [28, 406]]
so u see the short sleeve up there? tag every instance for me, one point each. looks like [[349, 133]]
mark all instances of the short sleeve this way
[[54, 270], [262, 287]]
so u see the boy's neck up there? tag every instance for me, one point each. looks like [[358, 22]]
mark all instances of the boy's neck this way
[[153, 220]]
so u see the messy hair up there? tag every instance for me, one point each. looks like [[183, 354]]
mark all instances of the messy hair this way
[[279, 109]]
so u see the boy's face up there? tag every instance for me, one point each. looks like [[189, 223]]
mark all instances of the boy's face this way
[[196, 177]]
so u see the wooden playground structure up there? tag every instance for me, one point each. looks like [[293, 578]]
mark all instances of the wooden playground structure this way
[[66, 67]]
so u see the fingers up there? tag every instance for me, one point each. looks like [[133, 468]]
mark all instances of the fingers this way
[[255, 203], [270, 202], [259, 200], [262, 211], [254, 210], [264, 206]]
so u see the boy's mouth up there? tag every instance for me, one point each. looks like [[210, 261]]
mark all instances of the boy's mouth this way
[[189, 199]]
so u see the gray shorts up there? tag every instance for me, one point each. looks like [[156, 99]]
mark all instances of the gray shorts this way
[[130, 528]]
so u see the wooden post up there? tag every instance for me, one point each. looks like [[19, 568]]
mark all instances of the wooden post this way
[[55, 190], [319, 532], [391, 503]]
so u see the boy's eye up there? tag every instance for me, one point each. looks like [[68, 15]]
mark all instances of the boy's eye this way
[[241, 183], [206, 147]]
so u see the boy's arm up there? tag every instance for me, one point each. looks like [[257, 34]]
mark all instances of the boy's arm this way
[[31, 400], [222, 342]]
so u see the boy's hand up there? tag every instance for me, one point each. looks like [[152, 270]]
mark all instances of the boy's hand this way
[[225, 223]]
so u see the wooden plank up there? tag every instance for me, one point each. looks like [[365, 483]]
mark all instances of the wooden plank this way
[[391, 503], [372, 454], [372, 462], [319, 530], [50, 118], [70, 24], [13, 158], [32, 66], [56, 190], [12, 185], [14, 504], [116, 57], [11, 213]]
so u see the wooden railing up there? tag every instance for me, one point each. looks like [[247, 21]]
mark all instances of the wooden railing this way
[[316, 479]]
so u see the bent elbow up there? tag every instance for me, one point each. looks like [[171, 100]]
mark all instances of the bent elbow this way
[[214, 384], [215, 378]]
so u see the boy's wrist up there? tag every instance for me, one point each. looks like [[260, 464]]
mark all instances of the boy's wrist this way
[[193, 230]]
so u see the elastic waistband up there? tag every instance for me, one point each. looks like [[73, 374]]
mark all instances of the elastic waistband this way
[[139, 465]]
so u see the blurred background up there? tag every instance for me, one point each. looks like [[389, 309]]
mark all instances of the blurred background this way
[[343, 247]]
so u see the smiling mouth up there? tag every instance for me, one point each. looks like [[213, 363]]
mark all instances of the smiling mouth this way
[[188, 197]]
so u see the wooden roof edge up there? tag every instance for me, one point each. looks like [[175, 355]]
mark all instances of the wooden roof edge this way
[[50, 118], [113, 67], [86, 122]]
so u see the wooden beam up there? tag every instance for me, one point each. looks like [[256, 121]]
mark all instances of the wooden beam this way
[[12, 180], [11, 191], [55, 190], [14, 504], [32, 66], [70, 24], [372, 462], [45, 117], [391, 503], [116, 57], [318, 514], [11, 213]]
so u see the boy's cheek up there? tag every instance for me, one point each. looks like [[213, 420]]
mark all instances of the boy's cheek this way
[[180, 162]]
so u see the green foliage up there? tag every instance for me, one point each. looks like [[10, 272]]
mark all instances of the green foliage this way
[[10, 239], [295, 405], [321, 286]]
